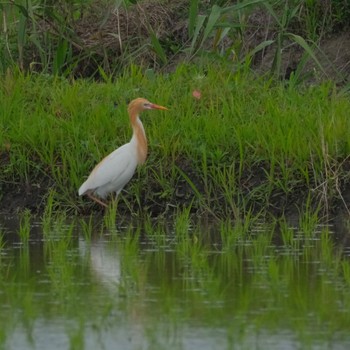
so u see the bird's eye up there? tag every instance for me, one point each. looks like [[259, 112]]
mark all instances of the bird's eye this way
[[147, 105]]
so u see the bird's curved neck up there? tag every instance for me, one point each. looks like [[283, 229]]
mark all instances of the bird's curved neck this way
[[138, 137]]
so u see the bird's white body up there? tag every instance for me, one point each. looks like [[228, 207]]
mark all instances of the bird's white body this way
[[113, 172], [116, 170]]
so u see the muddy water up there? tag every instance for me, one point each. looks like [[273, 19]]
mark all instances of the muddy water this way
[[111, 291]]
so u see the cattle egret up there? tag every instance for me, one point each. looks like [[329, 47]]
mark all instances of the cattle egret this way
[[116, 170]]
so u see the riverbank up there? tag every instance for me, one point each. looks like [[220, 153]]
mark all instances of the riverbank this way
[[247, 144]]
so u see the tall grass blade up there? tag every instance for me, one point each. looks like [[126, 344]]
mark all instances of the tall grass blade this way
[[272, 12], [220, 35], [158, 47], [277, 60], [212, 20], [260, 47], [245, 4], [103, 74], [199, 26], [296, 76], [301, 42], [60, 57], [192, 17], [190, 182], [21, 38]]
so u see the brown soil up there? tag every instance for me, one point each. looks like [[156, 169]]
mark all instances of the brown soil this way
[[32, 195], [17, 196]]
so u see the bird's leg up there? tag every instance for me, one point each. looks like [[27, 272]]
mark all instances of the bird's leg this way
[[97, 200], [114, 200]]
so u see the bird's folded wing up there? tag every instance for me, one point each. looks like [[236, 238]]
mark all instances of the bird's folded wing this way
[[118, 166]]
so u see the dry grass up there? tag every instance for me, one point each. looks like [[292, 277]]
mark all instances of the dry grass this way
[[120, 33]]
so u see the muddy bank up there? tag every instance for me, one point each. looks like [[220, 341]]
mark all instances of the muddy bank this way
[[255, 193]]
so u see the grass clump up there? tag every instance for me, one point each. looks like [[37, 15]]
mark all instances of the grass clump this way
[[25, 226]]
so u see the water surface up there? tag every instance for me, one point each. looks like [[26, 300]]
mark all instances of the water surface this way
[[127, 289]]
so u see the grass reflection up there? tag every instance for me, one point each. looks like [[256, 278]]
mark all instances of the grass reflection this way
[[260, 284]]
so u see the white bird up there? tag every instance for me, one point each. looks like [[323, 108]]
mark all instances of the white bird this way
[[116, 170]]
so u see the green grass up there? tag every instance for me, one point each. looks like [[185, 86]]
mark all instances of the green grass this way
[[247, 139]]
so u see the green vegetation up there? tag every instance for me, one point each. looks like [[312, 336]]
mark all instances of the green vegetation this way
[[247, 142], [24, 228]]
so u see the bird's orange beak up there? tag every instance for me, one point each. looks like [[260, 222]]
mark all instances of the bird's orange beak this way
[[154, 106]]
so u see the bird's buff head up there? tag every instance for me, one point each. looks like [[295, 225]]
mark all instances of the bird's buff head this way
[[140, 104]]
